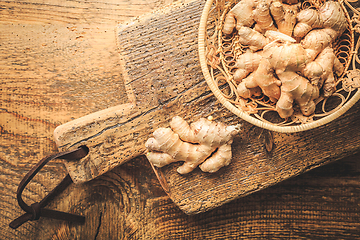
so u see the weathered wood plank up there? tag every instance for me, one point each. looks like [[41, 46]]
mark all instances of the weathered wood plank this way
[[163, 73], [320, 204]]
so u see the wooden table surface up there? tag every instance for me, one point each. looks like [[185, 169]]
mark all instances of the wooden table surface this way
[[58, 62]]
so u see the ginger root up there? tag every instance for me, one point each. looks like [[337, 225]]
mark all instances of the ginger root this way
[[263, 18], [308, 19], [245, 64], [204, 142], [244, 9], [284, 16], [296, 88], [263, 13], [264, 78], [289, 55], [321, 71], [252, 38]]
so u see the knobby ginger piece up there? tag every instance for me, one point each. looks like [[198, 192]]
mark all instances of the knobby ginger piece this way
[[284, 16], [244, 9], [321, 71], [252, 38], [308, 19], [264, 78], [245, 64], [204, 142], [296, 88], [263, 18]]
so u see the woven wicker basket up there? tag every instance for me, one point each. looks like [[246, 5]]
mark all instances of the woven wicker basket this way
[[218, 52]]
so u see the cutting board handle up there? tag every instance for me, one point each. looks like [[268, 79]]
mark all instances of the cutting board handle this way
[[72, 133], [111, 136]]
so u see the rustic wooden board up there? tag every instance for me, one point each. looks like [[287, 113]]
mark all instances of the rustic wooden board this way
[[163, 79]]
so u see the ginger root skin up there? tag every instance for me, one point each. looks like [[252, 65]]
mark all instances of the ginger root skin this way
[[308, 19], [286, 56], [333, 17], [321, 71], [247, 12], [204, 143], [245, 64], [278, 59], [296, 88], [252, 38], [284, 16], [263, 18], [264, 78], [241, 15], [329, 16]]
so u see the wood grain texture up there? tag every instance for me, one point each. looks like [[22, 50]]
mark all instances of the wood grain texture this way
[[322, 203], [40, 90], [163, 74]]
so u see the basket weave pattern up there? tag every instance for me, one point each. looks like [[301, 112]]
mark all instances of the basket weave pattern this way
[[218, 53]]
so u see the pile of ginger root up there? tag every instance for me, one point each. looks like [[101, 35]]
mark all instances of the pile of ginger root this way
[[204, 143], [289, 53]]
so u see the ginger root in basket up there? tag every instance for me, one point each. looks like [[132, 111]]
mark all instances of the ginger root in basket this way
[[204, 142], [287, 70]]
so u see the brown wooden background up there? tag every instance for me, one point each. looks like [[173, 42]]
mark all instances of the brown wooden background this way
[[58, 62]]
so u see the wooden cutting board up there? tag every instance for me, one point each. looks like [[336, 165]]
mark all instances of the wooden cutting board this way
[[159, 56]]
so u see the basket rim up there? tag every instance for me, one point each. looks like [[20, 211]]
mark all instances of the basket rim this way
[[244, 115]]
